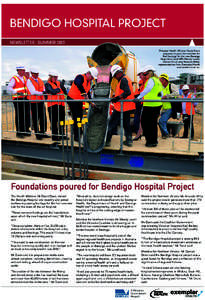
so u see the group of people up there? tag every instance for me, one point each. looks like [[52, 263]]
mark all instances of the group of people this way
[[31, 93], [157, 89]]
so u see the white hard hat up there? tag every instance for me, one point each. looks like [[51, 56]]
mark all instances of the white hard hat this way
[[20, 67], [94, 72], [52, 73], [115, 69], [148, 68], [185, 87], [34, 70]]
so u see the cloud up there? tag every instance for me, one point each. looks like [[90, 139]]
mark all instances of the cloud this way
[[69, 61]]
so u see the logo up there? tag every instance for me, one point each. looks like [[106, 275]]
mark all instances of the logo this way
[[187, 293], [157, 294], [199, 294], [121, 293]]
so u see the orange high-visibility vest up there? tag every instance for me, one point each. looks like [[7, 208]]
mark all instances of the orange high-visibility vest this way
[[58, 96], [188, 106], [75, 93], [141, 87], [126, 105], [39, 86], [20, 87]]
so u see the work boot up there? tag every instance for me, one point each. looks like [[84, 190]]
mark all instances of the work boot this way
[[45, 135], [128, 143], [39, 137], [165, 136], [19, 135]]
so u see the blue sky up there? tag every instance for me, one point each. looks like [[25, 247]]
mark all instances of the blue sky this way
[[70, 61]]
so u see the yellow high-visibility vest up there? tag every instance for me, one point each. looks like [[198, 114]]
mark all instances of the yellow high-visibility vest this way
[[154, 93]]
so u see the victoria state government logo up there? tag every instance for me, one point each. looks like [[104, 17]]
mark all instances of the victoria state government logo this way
[[121, 293], [157, 294]]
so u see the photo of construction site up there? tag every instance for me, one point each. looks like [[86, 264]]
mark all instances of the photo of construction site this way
[[105, 112]]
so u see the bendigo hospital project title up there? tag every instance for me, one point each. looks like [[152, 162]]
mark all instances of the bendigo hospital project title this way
[[88, 23], [104, 187]]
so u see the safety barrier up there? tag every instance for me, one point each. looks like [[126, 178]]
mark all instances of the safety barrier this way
[[65, 130], [20, 114]]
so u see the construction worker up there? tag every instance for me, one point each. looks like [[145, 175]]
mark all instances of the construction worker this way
[[188, 116], [56, 108], [170, 91], [36, 89], [18, 87], [124, 90], [80, 89], [152, 91], [138, 111]]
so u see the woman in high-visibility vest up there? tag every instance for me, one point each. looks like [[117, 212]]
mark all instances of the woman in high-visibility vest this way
[[188, 112], [56, 108], [138, 111], [152, 91]]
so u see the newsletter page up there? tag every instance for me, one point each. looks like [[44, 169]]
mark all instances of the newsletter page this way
[[102, 147]]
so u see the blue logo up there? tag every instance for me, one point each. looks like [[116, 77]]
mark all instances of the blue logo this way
[[121, 293], [199, 294]]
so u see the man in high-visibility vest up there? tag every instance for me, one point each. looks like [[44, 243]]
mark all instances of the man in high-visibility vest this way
[[36, 89], [170, 91], [124, 90], [56, 107], [18, 87], [80, 89], [188, 111]]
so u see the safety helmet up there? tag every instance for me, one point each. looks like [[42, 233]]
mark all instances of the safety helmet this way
[[115, 69], [148, 68], [94, 72], [185, 87], [52, 73], [20, 67], [34, 70], [165, 76], [140, 72]]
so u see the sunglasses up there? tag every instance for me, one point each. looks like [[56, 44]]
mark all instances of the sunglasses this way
[[145, 74]]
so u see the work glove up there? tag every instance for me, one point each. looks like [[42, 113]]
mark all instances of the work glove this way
[[115, 99]]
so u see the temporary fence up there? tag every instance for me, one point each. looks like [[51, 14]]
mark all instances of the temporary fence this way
[[24, 117]]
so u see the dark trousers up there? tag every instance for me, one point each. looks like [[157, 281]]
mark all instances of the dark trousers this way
[[137, 117], [149, 123], [39, 117], [186, 120], [56, 115], [77, 112], [115, 121], [22, 116]]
